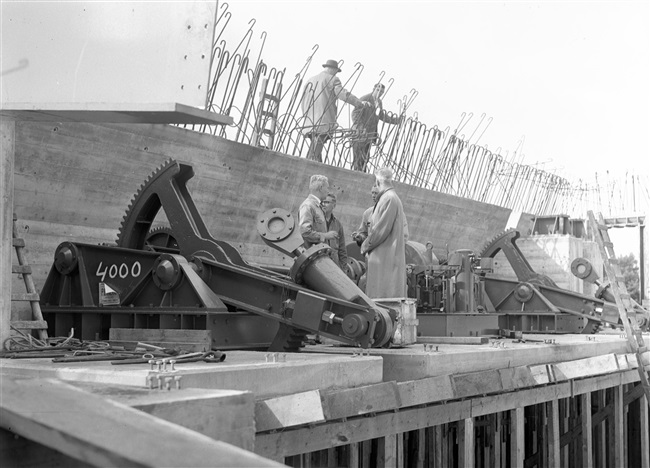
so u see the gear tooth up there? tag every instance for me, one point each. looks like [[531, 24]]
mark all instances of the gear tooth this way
[[129, 220]]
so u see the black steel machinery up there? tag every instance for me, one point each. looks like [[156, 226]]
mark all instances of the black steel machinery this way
[[461, 296], [183, 278]]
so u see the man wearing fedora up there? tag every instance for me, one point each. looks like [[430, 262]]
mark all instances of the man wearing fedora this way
[[319, 107]]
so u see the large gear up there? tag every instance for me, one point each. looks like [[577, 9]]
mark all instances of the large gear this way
[[506, 242], [161, 239]]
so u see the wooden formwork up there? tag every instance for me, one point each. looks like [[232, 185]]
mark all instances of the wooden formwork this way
[[572, 401], [598, 421]]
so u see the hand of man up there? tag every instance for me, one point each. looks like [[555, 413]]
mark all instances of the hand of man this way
[[331, 235], [364, 247]]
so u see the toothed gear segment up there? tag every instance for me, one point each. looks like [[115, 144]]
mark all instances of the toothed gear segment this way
[[161, 239], [492, 247], [146, 204], [592, 327], [288, 339]]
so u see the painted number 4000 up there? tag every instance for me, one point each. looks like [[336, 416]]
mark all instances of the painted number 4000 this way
[[122, 270]]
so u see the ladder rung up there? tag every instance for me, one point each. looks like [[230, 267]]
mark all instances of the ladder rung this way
[[270, 97], [608, 244], [31, 297], [21, 269], [18, 242], [29, 324], [602, 227]]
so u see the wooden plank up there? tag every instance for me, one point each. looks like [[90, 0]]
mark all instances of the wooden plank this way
[[17, 297], [417, 392], [585, 367], [466, 442], [225, 415], [120, 436], [361, 400], [7, 162], [29, 324], [162, 337], [422, 445], [553, 415], [389, 459], [517, 448], [467, 340], [21, 269], [293, 441], [437, 456], [289, 410], [585, 422], [644, 432], [366, 447], [618, 441], [160, 113], [353, 455], [476, 383]]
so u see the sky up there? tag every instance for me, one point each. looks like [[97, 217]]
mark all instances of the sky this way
[[566, 84]]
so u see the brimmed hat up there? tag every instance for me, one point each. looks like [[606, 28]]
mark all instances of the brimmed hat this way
[[332, 64]]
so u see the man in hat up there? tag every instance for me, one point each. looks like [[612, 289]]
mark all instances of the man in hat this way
[[319, 107], [364, 121]]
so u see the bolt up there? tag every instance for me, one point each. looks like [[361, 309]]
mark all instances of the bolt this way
[[172, 363], [168, 383], [152, 363], [177, 379], [159, 364]]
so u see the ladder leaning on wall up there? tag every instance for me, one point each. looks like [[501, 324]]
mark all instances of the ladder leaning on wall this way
[[23, 268], [624, 302]]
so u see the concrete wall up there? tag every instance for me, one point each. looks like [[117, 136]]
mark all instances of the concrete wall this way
[[74, 181]]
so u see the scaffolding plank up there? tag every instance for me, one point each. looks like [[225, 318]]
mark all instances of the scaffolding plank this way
[[289, 410], [120, 436]]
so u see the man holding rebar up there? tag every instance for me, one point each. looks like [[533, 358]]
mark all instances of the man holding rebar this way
[[319, 107], [365, 121]]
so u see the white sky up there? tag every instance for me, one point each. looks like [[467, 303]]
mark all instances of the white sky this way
[[569, 79]]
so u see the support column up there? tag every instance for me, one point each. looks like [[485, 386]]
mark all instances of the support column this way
[[643, 429], [466, 442], [619, 443], [553, 408], [7, 148], [585, 419], [517, 448], [353, 455]]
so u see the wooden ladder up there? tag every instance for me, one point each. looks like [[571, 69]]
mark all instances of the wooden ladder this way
[[624, 302], [23, 268], [266, 119]]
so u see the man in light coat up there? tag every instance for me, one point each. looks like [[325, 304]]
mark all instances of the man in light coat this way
[[313, 225], [319, 107], [385, 244]]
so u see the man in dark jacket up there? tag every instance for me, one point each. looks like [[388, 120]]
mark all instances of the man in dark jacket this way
[[364, 121], [339, 252]]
